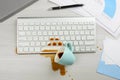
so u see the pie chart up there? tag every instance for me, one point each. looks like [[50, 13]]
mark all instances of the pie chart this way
[[110, 8]]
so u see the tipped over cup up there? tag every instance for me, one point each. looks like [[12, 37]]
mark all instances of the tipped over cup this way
[[65, 55]]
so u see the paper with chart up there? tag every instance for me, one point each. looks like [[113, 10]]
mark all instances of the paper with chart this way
[[107, 12], [107, 16]]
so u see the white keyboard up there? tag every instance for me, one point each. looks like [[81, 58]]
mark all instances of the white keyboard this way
[[34, 33]]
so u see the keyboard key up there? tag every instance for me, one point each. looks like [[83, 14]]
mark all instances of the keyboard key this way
[[82, 48], [76, 32], [72, 37], [75, 42], [39, 33], [28, 33], [41, 38], [83, 37], [32, 43], [26, 49], [43, 43], [82, 32], [89, 43], [46, 38], [81, 43], [67, 38], [37, 43], [77, 48], [88, 49], [90, 37], [20, 27], [63, 28], [47, 28], [30, 27], [74, 27], [50, 33], [60, 32], [21, 33], [62, 38], [22, 38], [20, 49], [26, 27], [23, 44], [78, 38], [37, 49], [34, 33], [35, 38], [52, 27], [69, 27], [29, 38], [55, 33], [44, 33], [42, 28], [31, 49], [36, 27], [71, 32], [66, 32]]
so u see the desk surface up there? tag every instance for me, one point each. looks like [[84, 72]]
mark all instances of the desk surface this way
[[37, 67]]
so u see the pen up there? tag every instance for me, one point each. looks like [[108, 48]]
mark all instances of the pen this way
[[66, 6]]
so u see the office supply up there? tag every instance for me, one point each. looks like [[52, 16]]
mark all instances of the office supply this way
[[106, 12], [34, 33], [10, 7], [66, 6], [108, 65]]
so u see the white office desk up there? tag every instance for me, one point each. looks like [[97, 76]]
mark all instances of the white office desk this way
[[36, 67]]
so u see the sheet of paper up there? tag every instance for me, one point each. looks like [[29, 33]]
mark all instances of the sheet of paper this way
[[106, 59], [109, 70], [112, 50], [106, 12]]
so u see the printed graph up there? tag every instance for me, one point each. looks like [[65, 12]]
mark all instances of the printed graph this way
[[110, 8]]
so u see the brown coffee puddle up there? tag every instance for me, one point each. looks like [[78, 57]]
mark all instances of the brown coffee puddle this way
[[55, 66]]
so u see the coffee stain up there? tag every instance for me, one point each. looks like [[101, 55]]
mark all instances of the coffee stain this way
[[52, 51], [99, 48], [16, 50], [55, 66], [72, 79]]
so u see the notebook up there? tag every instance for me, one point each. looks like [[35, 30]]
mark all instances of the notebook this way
[[10, 7]]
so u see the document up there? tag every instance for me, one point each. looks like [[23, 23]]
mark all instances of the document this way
[[109, 63], [109, 70], [112, 51], [106, 12]]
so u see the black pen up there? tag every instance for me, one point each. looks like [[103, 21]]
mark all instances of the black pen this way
[[66, 6]]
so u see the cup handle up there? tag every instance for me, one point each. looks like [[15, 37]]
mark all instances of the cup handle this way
[[69, 45]]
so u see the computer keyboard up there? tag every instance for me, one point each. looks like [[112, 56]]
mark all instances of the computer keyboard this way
[[34, 33]]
